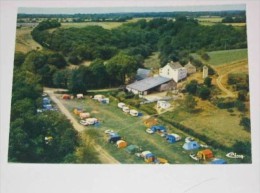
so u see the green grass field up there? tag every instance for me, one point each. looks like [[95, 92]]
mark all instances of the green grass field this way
[[132, 130], [106, 25], [227, 56], [224, 56]]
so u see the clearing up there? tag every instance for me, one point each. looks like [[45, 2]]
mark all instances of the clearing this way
[[24, 40]]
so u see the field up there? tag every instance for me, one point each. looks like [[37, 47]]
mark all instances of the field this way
[[227, 56], [106, 25], [209, 21], [215, 123], [132, 130], [24, 41]]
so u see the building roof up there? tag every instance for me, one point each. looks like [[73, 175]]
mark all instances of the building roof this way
[[148, 83], [142, 73], [189, 65], [174, 65]]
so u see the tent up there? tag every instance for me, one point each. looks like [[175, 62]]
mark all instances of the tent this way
[[114, 138], [134, 112], [121, 144], [148, 156], [158, 128], [150, 122], [219, 161], [46, 101], [205, 154], [47, 106], [132, 149], [80, 96], [191, 145], [77, 111], [84, 115], [172, 138], [65, 96]]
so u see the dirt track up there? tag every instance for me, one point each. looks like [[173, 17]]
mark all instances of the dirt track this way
[[224, 70], [104, 156]]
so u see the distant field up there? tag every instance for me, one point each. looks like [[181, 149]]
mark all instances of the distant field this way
[[24, 41], [225, 56], [106, 25]]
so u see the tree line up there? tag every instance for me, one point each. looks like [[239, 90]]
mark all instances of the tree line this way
[[174, 39]]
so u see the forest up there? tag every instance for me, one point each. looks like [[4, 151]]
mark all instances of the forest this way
[[116, 54]]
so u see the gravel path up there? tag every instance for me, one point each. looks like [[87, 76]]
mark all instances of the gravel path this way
[[104, 156]]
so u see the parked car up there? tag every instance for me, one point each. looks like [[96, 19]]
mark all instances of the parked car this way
[[150, 131]]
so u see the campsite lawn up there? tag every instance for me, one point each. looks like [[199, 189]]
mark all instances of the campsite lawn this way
[[132, 130]]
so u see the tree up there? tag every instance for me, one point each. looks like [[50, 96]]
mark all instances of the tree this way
[[19, 58], [204, 93], [122, 67], [60, 78], [207, 81], [246, 123], [192, 87], [57, 60], [190, 103]]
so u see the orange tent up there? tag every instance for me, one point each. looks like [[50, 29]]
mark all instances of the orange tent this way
[[150, 122], [121, 144], [66, 96], [205, 154]]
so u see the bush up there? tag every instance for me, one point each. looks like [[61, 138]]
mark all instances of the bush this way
[[246, 123]]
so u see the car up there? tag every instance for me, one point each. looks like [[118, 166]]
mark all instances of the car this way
[[91, 121], [150, 131]]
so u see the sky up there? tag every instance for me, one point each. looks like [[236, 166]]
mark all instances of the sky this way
[[86, 10]]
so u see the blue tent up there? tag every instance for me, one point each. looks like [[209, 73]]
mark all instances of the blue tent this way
[[191, 145], [219, 161], [158, 128], [47, 106], [170, 138], [46, 101]]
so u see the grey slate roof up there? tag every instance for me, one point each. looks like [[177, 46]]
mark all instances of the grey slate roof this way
[[175, 65], [142, 73], [148, 83]]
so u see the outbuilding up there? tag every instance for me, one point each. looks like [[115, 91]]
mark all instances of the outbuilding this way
[[151, 84]]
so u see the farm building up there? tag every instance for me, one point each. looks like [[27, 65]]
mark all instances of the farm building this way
[[173, 70], [192, 145], [190, 68], [148, 85], [142, 74], [205, 154]]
